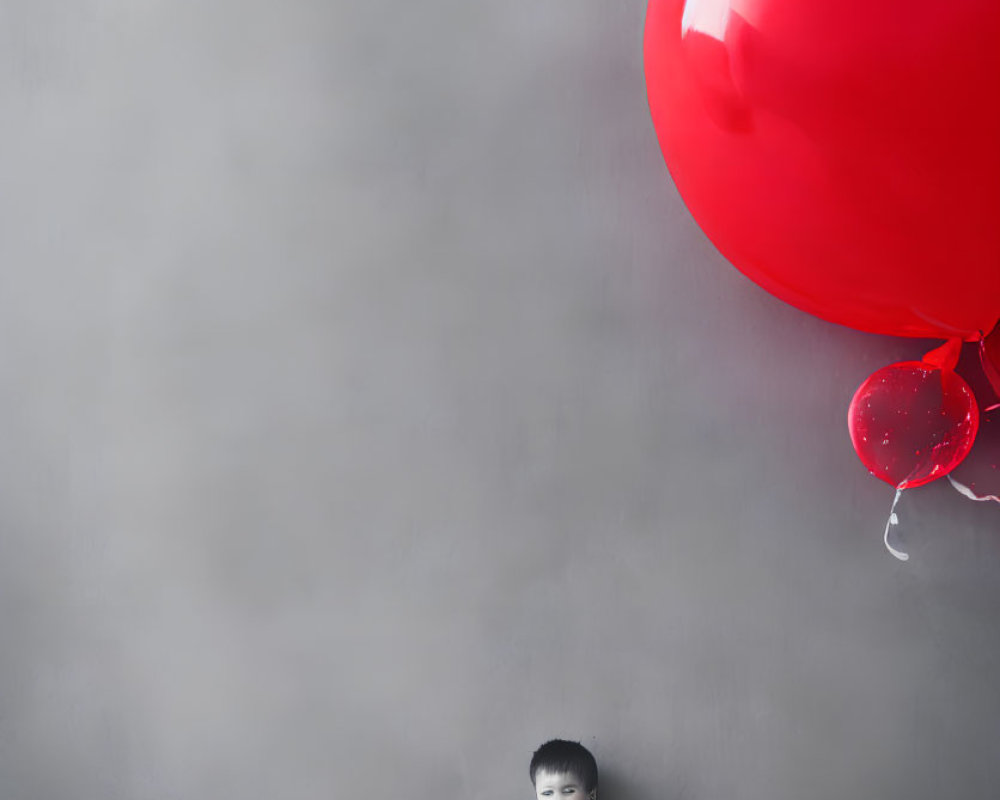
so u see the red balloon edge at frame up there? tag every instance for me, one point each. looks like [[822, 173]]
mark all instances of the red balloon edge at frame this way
[[842, 154]]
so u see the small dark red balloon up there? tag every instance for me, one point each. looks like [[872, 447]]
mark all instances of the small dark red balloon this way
[[989, 354], [912, 422]]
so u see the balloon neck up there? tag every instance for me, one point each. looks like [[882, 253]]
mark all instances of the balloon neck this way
[[945, 357]]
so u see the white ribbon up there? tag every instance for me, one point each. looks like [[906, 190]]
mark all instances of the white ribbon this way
[[893, 521]]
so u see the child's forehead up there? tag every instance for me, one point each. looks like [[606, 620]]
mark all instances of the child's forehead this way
[[550, 777]]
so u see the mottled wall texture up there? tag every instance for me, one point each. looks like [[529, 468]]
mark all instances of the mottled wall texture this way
[[372, 410]]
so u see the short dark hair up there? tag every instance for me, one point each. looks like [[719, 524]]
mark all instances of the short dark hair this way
[[559, 755]]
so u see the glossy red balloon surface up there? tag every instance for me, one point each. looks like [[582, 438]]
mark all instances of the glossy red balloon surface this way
[[911, 423], [843, 154]]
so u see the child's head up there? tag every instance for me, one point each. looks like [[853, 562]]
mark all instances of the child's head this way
[[562, 770]]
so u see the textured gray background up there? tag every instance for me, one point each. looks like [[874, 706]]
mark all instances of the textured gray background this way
[[372, 410]]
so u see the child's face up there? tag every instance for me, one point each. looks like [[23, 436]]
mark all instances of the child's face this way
[[561, 786]]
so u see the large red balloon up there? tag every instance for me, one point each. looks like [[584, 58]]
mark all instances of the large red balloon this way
[[844, 154]]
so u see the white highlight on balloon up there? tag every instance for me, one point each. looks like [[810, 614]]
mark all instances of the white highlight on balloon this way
[[706, 16]]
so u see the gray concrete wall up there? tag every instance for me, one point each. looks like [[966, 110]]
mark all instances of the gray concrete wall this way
[[372, 410]]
